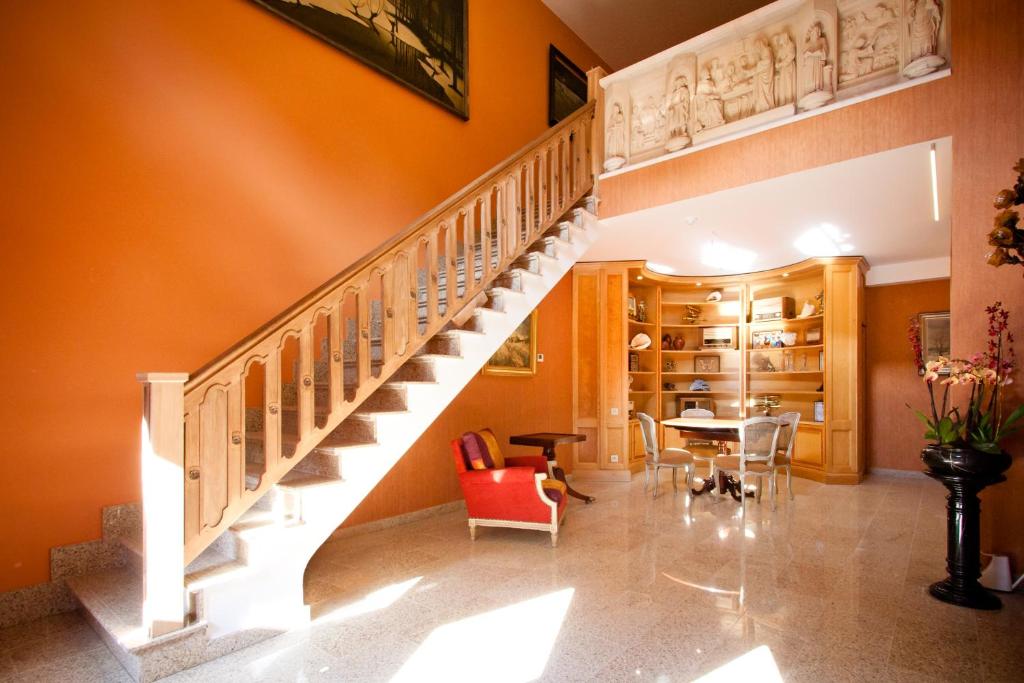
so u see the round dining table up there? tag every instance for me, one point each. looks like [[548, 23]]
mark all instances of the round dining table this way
[[722, 431]]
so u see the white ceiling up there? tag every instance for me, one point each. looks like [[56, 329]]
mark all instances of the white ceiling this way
[[879, 206], [622, 32]]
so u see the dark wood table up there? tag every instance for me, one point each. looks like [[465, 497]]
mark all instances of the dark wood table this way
[[720, 430], [548, 441]]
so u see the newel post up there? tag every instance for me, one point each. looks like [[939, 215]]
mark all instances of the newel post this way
[[163, 501], [596, 93]]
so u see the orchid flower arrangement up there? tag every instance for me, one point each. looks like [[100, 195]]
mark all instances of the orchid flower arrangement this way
[[985, 422]]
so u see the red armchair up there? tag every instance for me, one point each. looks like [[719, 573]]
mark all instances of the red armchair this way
[[519, 495]]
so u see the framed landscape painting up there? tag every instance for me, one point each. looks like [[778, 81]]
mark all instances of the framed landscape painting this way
[[419, 43], [567, 86], [518, 355]]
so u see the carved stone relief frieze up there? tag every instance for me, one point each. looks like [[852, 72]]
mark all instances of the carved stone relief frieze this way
[[679, 100], [869, 39], [924, 23], [616, 125]]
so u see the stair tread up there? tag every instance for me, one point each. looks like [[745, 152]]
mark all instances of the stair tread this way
[[114, 599], [214, 573], [332, 440], [300, 480]]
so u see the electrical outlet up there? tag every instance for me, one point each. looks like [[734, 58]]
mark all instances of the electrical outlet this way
[[615, 411], [540, 357], [614, 457]]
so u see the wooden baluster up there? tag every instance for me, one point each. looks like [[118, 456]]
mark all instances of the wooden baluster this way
[[566, 175], [433, 281], [236, 436], [337, 358], [305, 385], [532, 211], [163, 495], [509, 224], [213, 454], [486, 236], [557, 176], [363, 337], [389, 334], [451, 255], [193, 484], [402, 302], [469, 258], [272, 411]]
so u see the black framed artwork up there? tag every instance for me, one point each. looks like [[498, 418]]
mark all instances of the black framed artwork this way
[[567, 86], [422, 44]]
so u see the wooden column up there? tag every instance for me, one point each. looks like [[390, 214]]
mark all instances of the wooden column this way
[[163, 496], [596, 93]]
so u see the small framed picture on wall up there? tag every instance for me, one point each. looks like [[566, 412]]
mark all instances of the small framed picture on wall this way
[[934, 336]]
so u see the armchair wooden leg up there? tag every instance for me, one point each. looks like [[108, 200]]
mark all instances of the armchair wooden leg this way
[[647, 476], [789, 481], [771, 492], [472, 530], [656, 473], [554, 539]]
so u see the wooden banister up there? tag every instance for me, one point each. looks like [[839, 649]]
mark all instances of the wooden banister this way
[[294, 380]]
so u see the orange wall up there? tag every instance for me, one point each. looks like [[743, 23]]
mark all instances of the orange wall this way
[[176, 173], [425, 476], [980, 106], [895, 437]]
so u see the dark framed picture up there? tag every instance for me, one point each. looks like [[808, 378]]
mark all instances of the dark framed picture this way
[[422, 44], [518, 354], [934, 336], [706, 364], [567, 86]]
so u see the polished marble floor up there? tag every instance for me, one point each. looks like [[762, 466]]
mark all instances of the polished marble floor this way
[[830, 587]]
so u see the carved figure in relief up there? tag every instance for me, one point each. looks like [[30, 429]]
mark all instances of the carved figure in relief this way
[[785, 69], [817, 69], [678, 114], [615, 139], [707, 104], [764, 78], [925, 19], [648, 125], [869, 42]]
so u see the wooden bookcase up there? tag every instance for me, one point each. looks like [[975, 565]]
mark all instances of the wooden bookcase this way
[[821, 362]]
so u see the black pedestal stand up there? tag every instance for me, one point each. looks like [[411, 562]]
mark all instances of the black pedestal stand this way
[[963, 542]]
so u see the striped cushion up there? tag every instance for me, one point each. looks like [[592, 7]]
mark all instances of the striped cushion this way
[[492, 447], [475, 449], [553, 489]]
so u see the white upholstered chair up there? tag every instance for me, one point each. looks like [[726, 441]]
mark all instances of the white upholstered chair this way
[[656, 458], [706, 415], [756, 460], [784, 456]]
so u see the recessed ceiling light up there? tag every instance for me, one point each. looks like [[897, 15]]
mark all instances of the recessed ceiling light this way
[[785, 275], [699, 284], [639, 277], [660, 268]]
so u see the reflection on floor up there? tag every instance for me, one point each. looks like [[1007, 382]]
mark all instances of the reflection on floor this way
[[828, 588]]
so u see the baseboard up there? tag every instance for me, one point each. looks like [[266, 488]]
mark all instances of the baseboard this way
[[397, 520], [35, 602], [624, 476], [911, 474]]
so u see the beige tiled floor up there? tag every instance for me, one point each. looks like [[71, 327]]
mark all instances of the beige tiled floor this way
[[830, 587]]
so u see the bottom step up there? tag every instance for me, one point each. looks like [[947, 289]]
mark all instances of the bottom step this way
[[111, 602]]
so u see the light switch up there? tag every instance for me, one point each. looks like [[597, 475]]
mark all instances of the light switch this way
[[615, 411], [540, 357], [614, 457]]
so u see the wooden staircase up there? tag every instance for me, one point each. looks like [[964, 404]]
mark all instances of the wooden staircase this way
[[257, 458]]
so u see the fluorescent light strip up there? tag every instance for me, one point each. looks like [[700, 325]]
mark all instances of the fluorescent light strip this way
[[935, 186]]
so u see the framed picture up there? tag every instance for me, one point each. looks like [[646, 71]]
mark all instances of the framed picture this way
[[706, 364], [631, 307], [518, 353], [567, 86], [934, 335], [422, 44]]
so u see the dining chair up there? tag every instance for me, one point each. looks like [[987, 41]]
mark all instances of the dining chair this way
[[657, 458], [784, 456], [697, 457], [758, 442]]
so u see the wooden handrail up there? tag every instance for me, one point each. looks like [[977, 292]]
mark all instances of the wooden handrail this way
[[288, 385]]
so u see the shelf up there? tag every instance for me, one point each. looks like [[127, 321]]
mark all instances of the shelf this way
[[698, 303], [642, 324], [764, 323], [784, 374], [714, 375], [685, 351], [785, 348], [731, 323], [651, 350], [783, 392], [642, 372], [641, 392], [701, 393]]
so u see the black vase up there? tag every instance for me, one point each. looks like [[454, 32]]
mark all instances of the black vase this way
[[965, 472]]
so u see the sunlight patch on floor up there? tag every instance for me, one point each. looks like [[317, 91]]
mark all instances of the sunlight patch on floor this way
[[510, 644], [377, 600], [756, 666]]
